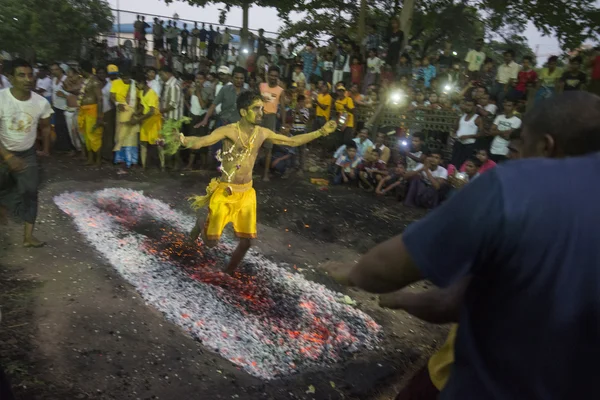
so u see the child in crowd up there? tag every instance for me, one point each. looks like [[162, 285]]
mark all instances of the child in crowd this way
[[356, 71], [415, 154], [404, 68], [526, 80], [374, 65], [503, 126], [472, 168], [298, 76], [371, 171], [428, 183], [346, 163], [393, 180], [484, 158], [420, 103], [434, 102], [428, 72], [300, 117], [417, 72]]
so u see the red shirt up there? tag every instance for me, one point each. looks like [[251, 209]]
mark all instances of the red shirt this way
[[357, 71], [524, 78], [596, 68]]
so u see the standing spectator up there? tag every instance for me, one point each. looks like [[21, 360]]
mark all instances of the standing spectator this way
[[171, 107], [195, 34], [447, 59], [506, 76], [262, 43], [210, 38], [300, 117], [277, 58], [374, 65], [4, 82], [43, 85], [428, 72], [59, 104], [594, 63], [470, 125], [573, 79], [327, 70], [475, 59], [503, 126], [404, 69], [21, 112], [344, 104], [169, 35], [137, 29], [372, 40], [356, 72], [226, 39], [308, 57], [185, 34], [201, 96], [232, 59], [549, 79], [272, 95], [144, 28], [526, 80], [158, 34], [108, 136], [124, 95], [339, 63], [487, 75], [323, 106], [202, 37], [395, 41], [149, 118], [227, 98]]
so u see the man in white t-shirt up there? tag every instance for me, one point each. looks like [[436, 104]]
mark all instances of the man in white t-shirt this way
[[503, 126], [428, 183], [43, 85], [21, 111]]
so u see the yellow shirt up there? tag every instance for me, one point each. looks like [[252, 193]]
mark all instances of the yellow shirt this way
[[440, 364], [149, 100], [549, 79], [324, 99], [340, 108], [120, 89]]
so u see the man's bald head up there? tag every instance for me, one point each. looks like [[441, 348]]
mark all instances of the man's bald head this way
[[563, 126]]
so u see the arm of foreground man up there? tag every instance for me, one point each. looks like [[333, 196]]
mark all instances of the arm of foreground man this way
[[299, 140], [460, 238], [194, 143]]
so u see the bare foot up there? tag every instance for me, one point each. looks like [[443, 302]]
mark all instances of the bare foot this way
[[32, 242], [195, 233], [266, 179]]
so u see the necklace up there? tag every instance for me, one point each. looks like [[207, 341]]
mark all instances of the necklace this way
[[250, 138]]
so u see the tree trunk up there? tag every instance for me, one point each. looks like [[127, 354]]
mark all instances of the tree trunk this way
[[362, 21], [396, 7], [244, 32], [406, 19]]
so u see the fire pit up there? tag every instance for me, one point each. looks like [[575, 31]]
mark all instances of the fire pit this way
[[268, 318]]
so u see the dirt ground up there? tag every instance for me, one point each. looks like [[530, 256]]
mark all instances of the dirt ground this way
[[72, 328]]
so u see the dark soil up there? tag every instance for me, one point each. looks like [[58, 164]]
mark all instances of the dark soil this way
[[73, 329]]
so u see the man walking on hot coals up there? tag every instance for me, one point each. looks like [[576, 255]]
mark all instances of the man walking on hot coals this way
[[21, 111]]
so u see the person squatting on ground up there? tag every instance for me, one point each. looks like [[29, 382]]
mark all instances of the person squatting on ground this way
[[231, 198], [21, 112]]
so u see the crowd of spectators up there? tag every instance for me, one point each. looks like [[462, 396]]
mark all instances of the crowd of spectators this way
[[304, 89]]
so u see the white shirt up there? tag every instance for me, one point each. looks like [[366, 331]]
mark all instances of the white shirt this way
[[467, 128], [57, 86], [44, 84], [19, 120], [411, 165], [507, 72], [5, 83], [347, 65], [156, 85], [106, 103], [491, 108], [217, 90], [361, 148], [374, 65], [499, 144], [440, 172]]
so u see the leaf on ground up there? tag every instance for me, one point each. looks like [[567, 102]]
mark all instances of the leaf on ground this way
[[311, 390]]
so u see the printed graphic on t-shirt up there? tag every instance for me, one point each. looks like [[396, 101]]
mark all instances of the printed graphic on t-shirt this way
[[21, 122]]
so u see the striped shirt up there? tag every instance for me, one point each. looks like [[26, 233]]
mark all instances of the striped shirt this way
[[172, 98]]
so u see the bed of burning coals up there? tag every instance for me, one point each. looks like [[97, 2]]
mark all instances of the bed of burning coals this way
[[267, 318]]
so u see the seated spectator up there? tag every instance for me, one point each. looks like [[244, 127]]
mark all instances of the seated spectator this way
[[346, 164], [482, 155], [428, 183], [420, 103], [371, 171], [380, 146], [282, 160], [363, 143], [503, 126], [459, 179], [415, 154], [393, 180]]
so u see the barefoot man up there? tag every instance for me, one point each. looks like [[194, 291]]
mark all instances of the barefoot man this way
[[232, 198], [21, 111], [91, 113]]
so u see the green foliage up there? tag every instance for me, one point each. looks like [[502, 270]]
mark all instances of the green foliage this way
[[516, 43], [51, 29], [170, 134]]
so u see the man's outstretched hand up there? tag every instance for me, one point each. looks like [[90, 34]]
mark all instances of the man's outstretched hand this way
[[182, 140], [340, 272], [329, 128]]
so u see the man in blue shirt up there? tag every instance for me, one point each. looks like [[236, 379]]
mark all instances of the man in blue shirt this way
[[526, 235]]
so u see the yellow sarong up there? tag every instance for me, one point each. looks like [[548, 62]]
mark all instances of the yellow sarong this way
[[228, 202], [86, 121], [440, 364]]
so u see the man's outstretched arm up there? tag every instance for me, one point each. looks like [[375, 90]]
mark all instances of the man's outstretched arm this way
[[194, 143], [299, 140]]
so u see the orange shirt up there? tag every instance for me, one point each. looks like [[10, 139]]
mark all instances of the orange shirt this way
[[271, 97]]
